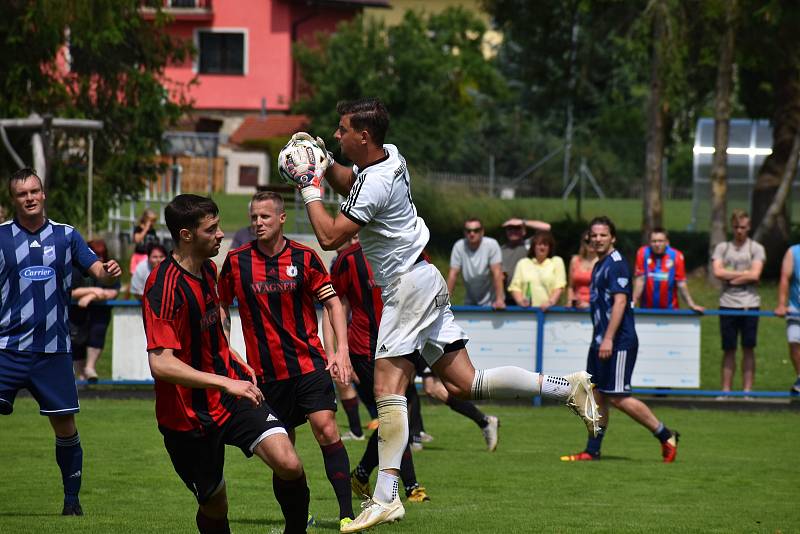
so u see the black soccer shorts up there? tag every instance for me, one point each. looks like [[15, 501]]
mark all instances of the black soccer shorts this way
[[296, 397], [199, 458]]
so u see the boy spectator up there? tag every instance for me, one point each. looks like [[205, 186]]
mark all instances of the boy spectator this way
[[479, 261], [660, 270], [738, 264]]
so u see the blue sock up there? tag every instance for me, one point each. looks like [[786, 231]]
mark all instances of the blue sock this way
[[593, 444], [662, 433], [69, 456]]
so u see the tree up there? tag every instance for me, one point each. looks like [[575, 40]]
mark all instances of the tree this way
[[95, 59], [722, 120]]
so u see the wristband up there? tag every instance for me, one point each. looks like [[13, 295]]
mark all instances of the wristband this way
[[311, 194]]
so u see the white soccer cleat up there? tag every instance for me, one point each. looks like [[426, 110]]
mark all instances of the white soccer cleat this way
[[375, 513], [581, 400], [490, 432]]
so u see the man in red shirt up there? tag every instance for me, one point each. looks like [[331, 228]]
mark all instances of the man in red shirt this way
[[660, 274], [276, 281], [206, 397]]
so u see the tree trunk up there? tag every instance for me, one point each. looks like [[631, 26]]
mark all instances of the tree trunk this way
[[652, 208], [779, 201], [722, 123], [785, 124]]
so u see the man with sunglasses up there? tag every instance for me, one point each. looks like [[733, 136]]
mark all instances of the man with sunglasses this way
[[479, 261]]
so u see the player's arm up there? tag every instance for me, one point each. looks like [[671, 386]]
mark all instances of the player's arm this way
[[165, 366], [750, 276], [340, 177], [787, 266], [106, 273], [452, 278], [617, 312], [331, 233], [339, 361], [683, 288], [496, 270], [638, 287]]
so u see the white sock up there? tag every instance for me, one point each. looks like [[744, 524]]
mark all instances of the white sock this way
[[386, 487], [504, 383], [392, 431], [555, 387]]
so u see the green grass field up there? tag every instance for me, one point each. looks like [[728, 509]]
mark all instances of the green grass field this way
[[736, 472]]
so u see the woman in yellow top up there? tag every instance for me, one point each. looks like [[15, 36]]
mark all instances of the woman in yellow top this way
[[540, 278]]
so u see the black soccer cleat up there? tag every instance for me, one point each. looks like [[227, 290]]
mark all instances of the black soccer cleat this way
[[72, 509], [6, 407]]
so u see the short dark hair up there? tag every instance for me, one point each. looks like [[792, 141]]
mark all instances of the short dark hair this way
[[659, 230], [474, 219], [156, 246], [605, 221], [186, 211], [263, 196], [542, 236], [22, 175], [367, 114]]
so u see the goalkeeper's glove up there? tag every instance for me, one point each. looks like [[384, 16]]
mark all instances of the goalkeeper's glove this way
[[320, 143], [310, 185]]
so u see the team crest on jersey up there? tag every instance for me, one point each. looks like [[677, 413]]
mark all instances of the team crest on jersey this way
[[291, 270], [623, 282], [669, 263], [49, 252]]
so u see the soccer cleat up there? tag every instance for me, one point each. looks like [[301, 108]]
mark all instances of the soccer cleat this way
[[669, 449], [310, 521], [416, 446], [417, 494], [794, 391], [343, 522], [490, 435], [424, 437], [579, 457], [72, 509], [360, 489], [373, 425], [375, 513], [350, 436], [581, 400]]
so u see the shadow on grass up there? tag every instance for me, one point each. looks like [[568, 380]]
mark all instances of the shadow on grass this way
[[318, 524]]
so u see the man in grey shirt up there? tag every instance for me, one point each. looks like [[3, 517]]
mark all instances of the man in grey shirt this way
[[738, 264], [479, 261]]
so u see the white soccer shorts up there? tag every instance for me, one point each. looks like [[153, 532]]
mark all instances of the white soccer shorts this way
[[417, 316]]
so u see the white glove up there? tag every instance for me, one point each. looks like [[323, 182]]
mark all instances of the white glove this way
[[320, 143], [296, 168]]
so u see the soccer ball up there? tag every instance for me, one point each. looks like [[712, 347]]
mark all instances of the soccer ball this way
[[300, 161]]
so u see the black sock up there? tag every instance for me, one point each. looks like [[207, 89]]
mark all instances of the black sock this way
[[407, 472], [353, 419], [467, 409], [69, 457], [415, 424], [662, 433], [208, 525], [293, 497], [593, 444], [337, 467], [369, 461]]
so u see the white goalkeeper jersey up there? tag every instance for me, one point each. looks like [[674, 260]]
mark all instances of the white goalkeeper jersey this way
[[392, 235]]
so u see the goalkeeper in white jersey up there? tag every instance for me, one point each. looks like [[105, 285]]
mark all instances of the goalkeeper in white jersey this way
[[417, 321]]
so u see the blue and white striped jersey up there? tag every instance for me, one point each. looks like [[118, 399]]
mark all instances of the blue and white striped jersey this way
[[35, 282]]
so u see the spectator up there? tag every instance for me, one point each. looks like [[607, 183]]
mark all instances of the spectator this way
[[516, 247], [789, 289], [660, 269], [540, 278], [580, 274], [89, 322], [738, 264], [156, 253], [143, 234], [479, 260]]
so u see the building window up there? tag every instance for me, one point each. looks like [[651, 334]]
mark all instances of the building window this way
[[221, 52], [248, 176]]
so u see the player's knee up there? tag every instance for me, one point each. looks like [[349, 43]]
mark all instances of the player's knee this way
[[289, 467], [214, 503], [327, 433], [616, 401], [457, 391]]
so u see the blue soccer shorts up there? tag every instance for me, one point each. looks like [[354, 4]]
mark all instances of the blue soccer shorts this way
[[49, 378], [612, 376]]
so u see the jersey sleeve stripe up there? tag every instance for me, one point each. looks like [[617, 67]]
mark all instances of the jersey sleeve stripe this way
[[353, 218]]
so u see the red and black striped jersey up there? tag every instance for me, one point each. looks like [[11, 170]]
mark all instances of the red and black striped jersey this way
[[276, 305], [352, 278], [181, 312]]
